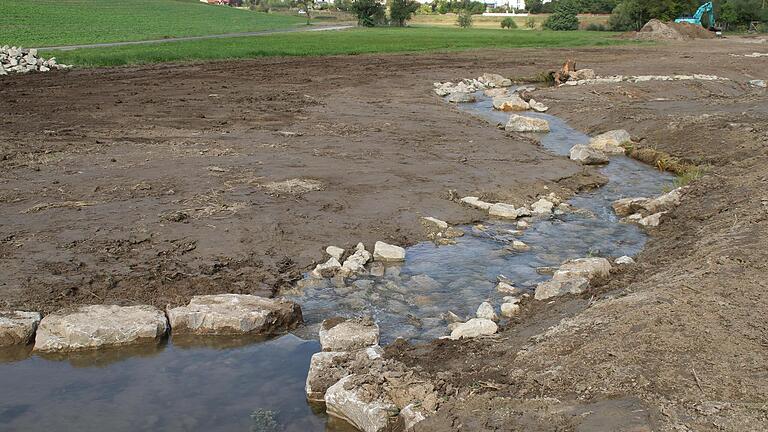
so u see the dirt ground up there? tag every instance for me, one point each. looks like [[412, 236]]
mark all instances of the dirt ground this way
[[151, 184]]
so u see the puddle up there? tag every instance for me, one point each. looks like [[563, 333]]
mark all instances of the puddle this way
[[246, 386]]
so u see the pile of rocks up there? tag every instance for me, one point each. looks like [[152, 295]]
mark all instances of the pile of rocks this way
[[647, 211], [544, 206], [355, 262], [593, 79], [439, 231], [600, 146], [18, 60], [359, 386], [98, 326], [461, 91]]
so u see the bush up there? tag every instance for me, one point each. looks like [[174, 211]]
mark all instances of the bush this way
[[508, 23], [596, 27], [628, 15], [369, 13], [465, 19], [564, 16], [530, 23], [401, 11]]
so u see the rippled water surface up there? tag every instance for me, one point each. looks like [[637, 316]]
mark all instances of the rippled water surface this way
[[248, 386]]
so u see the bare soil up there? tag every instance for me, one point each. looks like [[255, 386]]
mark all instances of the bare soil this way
[[151, 184]]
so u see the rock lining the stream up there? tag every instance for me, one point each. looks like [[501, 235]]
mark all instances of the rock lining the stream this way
[[385, 252], [335, 252], [519, 123], [96, 326], [234, 314], [485, 311], [587, 155], [476, 203], [573, 277], [355, 263], [339, 334], [474, 328], [511, 102], [611, 142], [17, 327]]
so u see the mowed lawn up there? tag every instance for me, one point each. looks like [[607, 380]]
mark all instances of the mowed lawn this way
[[36, 23], [355, 41]]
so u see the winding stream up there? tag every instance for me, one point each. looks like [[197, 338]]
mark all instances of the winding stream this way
[[247, 385]]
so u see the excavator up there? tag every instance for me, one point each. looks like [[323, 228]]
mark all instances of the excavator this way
[[707, 8]]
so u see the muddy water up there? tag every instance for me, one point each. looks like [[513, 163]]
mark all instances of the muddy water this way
[[243, 385]]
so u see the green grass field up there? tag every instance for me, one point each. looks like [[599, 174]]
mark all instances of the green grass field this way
[[37, 23], [356, 41]]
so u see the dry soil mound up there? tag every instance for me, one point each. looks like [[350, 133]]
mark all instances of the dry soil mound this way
[[659, 30]]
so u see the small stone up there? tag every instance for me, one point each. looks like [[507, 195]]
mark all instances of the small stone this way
[[624, 260], [451, 317], [388, 253], [335, 252], [474, 328], [461, 97], [518, 123], [355, 263], [434, 223], [509, 310], [537, 106], [521, 224], [758, 83], [99, 326], [495, 80], [506, 288], [486, 311], [17, 327], [234, 314], [476, 202], [587, 155], [542, 207], [410, 415], [652, 220], [511, 102], [338, 334], [520, 246], [327, 269], [453, 232]]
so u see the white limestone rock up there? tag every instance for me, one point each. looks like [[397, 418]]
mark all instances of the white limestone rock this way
[[511, 102], [505, 211], [388, 253], [518, 123], [17, 327], [553, 288], [325, 370], [234, 314], [624, 260], [494, 80], [587, 155], [485, 311], [474, 328], [338, 334], [627, 206], [461, 97], [537, 106], [98, 326], [347, 404], [411, 415], [476, 203], [651, 221], [355, 263], [326, 269], [611, 141], [520, 246], [335, 252], [434, 223], [542, 207], [510, 309], [588, 268]]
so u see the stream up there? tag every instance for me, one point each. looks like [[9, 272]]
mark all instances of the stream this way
[[252, 385]]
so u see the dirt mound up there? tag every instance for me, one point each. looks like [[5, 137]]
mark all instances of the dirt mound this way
[[659, 30]]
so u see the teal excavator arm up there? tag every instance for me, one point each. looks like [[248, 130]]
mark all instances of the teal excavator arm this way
[[707, 8]]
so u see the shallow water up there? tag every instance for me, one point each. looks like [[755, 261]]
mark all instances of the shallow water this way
[[242, 385]]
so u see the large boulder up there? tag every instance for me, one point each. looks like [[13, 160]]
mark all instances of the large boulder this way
[[518, 123], [589, 268], [234, 314], [345, 401], [474, 328], [611, 141], [17, 327], [511, 102], [99, 326], [339, 334], [387, 252], [553, 288], [587, 155]]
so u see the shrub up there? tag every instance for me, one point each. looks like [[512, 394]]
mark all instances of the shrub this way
[[401, 11], [465, 19], [369, 13], [596, 27], [628, 15], [530, 23], [564, 16], [508, 23]]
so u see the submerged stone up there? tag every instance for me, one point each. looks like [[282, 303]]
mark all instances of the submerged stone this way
[[99, 326], [339, 334]]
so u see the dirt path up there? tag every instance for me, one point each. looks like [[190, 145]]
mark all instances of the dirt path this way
[[314, 28]]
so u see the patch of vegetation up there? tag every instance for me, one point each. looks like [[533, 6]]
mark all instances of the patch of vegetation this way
[[464, 20], [508, 23], [401, 11], [689, 175], [356, 41], [564, 17], [369, 13], [36, 23]]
